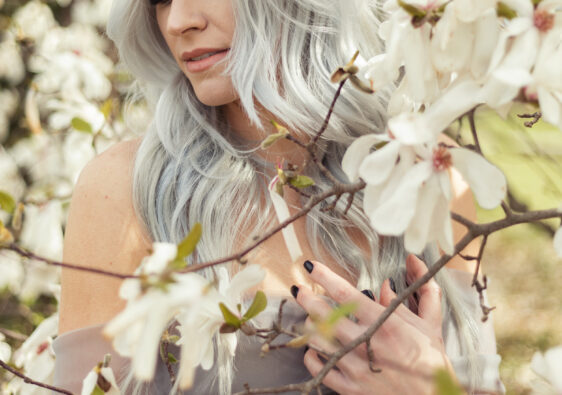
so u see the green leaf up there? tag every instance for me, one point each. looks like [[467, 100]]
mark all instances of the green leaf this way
[[301, 182], [82, 126], [229, 317], [106, 108], [503, 10], [445, 384], [412, 10], [187, 246], [7, 202], [272, 139], [341, 311], [98, 391], [172, 358], [258, 305]]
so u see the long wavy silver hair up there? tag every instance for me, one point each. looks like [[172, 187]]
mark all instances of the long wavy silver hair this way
[[191, 168]]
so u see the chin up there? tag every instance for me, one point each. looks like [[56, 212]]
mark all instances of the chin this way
[[216, 92]]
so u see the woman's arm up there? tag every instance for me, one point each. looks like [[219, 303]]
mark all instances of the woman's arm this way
[[102, 232]]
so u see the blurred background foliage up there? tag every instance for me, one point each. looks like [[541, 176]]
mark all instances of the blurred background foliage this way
[[61, 103]]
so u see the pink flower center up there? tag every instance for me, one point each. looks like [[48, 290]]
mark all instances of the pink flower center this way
[[544, 20], [42, 347], [442, 159]]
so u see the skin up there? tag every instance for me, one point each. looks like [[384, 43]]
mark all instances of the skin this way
[[103, 232]]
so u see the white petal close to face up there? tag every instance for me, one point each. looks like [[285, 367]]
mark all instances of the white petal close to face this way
[[486, 181], [377, 166], [357, 152]]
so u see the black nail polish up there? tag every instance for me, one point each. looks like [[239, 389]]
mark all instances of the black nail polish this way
[[392, 285], [306, 348], [368, 293], [294, 291], [308, 266]]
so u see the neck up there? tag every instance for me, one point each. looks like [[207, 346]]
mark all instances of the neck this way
[[248, 131]]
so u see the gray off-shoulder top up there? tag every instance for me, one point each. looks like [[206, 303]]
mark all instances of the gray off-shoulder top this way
[[78, 351]]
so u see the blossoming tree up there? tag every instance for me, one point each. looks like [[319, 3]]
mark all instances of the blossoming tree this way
[[444, 62]]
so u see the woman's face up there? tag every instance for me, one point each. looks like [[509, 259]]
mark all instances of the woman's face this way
[[199, 34]]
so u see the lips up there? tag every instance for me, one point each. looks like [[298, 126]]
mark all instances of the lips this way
[[203, 58]]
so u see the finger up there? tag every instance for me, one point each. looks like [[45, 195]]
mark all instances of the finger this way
[[429, 307], [345, 330], [342, 291], [350, 364], [337, 381], [387, 295]]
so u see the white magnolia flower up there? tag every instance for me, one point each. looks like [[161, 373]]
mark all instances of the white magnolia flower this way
[[546, 87], [34, 20], [12, 67], [549, 367], [5, 349], [200, 324], [72, 60], [91, 381], [12, 271], [92, 12], [42, 235], [137, 330], [190, 299], [408, 181], [36, 356]]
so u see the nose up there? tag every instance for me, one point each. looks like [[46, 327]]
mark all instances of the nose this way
[[184, 16]]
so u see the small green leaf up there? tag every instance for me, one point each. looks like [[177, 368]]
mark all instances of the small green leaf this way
[[98, 391], [301, 182], [412, 10], [229, 317], [187, 246], [172, 358], [273, 138], [82, 126], [7, 202], [173, 338], [258, 305], [445, 385], [341, 311], [503, 10], [106, 108]]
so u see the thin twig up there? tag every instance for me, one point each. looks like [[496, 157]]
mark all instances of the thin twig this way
[[535, 118], [329, 116], [313, 202], [473, 131], [14, 335], [27, 254], [31, 381]]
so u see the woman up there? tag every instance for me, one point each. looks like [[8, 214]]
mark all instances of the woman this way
[[216, 72]]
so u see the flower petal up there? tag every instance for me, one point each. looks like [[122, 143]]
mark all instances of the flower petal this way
[[357, 152], [377, 166], [486, 181], [417, 234], [393, 216]]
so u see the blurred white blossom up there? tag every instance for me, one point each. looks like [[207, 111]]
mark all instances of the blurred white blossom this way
[[34, 20], [549, 367], [42, 235], [5, 349], [92, 12], [37, 358], [12, 67]]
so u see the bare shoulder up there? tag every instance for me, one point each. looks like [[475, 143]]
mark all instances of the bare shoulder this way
[[102, 232]]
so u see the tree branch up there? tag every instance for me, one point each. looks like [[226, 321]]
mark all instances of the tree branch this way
[[31, 381]]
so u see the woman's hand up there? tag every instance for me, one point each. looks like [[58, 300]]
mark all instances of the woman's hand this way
[[407, 349]]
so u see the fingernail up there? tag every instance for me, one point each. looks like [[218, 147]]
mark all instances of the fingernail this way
[[306, 348], [294, 291], [368, 293], [308, 266], [392, 285]]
